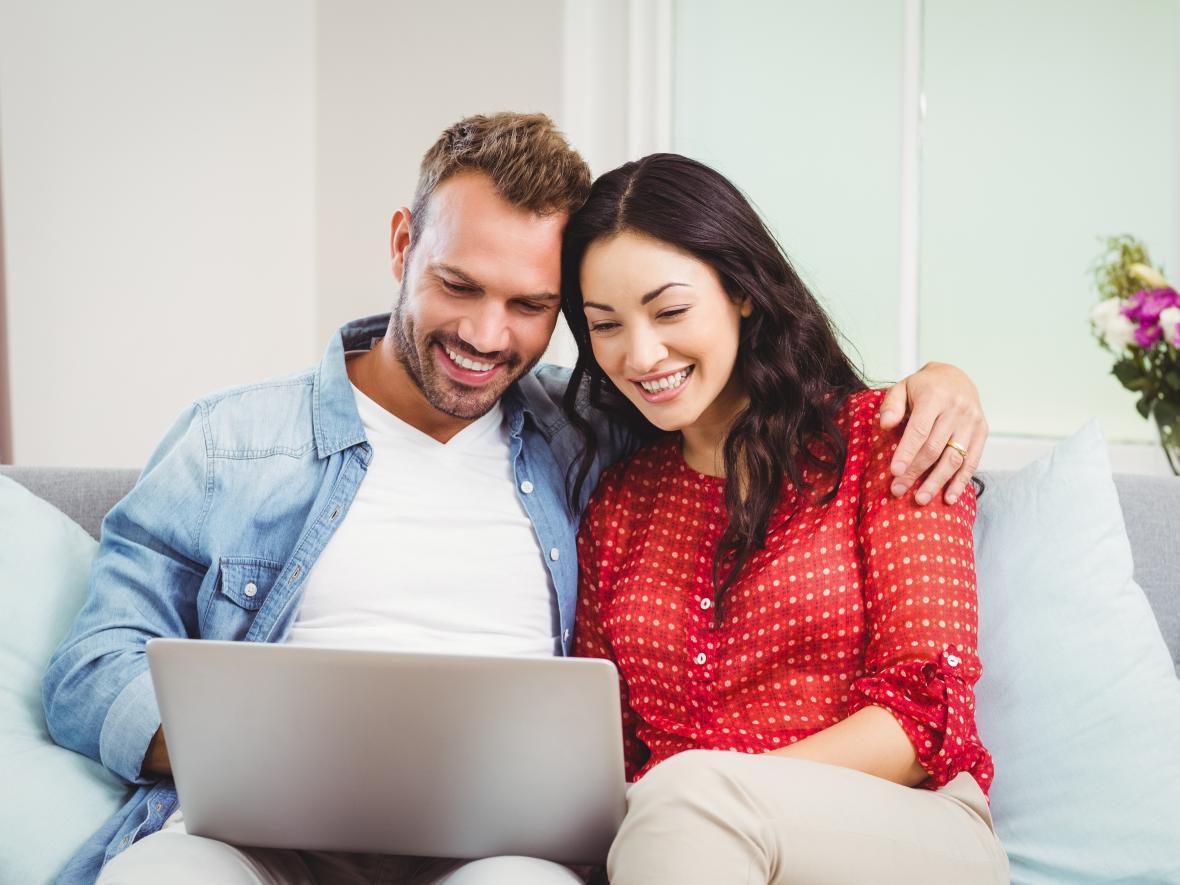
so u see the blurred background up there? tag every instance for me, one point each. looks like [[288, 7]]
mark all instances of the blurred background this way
[[197, 194]]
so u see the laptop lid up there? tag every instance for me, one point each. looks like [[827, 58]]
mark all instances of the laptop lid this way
[[422, 754]]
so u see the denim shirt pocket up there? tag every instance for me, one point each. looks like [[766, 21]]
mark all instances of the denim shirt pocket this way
[[246, 580], [243, 583]]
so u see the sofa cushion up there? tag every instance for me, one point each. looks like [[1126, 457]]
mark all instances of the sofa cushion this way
[[54, 799], [1078, 703], [85, 494], [1151, 510]]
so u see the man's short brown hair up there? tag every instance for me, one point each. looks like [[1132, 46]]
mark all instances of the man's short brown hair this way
[[528, 160]]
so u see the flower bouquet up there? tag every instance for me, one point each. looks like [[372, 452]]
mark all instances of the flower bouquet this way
[[1138, 320]]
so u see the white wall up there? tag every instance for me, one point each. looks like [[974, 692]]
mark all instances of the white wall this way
[[158, 169], [391, 77], [197, 195]]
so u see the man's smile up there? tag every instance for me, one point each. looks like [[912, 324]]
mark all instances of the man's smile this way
[[463, 369]]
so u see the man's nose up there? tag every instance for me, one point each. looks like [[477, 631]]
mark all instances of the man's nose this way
[[485, 328]]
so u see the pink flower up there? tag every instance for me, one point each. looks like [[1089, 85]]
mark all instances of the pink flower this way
[[1144, 309], [1147, 304], [1147, 336]]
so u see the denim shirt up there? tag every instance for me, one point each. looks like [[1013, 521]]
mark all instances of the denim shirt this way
[[244, 491]]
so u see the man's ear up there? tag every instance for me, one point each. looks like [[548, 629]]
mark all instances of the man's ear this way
[[399, 241]]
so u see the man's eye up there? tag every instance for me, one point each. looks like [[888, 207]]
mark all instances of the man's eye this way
[[533, 307], [458, 288]]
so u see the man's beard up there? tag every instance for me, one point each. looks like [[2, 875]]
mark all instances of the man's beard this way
[[443, 393]]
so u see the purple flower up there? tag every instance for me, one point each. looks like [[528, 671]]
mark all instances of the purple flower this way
[[1147, 336], [1144, 308], [1146, 305]]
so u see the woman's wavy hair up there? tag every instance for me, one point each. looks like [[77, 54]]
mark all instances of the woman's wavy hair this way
[[789, 359]]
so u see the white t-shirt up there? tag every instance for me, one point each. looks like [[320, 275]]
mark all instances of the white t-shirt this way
[[436, 552]]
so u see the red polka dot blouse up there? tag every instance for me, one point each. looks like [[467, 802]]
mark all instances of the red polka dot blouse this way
[[868, 599]]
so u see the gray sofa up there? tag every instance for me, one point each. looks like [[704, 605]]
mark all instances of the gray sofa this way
[[1151, 508]]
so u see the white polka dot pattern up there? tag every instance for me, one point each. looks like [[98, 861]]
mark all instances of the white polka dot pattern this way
[[864, 600]]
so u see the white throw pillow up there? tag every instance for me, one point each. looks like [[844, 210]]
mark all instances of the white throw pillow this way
[[53, 799], [1079, 703]]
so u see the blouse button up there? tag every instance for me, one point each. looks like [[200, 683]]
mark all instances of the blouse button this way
[[706, 604], [700, 659], [952, 661]]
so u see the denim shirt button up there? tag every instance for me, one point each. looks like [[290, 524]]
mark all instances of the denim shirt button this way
[[251, 589], [526, 487], [554, 553]]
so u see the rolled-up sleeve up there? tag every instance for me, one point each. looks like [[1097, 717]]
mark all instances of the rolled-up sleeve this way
[[97, 691], [921, 661]]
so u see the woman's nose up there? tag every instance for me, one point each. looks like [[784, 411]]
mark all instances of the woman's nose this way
[[645, 351]]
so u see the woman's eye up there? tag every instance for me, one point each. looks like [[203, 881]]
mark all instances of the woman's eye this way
[[602, 327], [674, 312]]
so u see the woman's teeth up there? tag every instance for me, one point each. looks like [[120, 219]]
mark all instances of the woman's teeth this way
[[668, 382], [470, 365]]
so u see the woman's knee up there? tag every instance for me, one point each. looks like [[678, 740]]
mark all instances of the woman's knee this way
[[683, 777]]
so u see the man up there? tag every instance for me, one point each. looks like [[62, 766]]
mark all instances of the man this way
[[318, 507]]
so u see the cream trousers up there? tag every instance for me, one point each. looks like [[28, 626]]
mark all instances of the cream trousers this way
[[720, 818]]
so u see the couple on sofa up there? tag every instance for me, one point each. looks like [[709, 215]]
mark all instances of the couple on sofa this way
[[714, 501]]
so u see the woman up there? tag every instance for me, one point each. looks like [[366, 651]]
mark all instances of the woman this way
[[760, 590]]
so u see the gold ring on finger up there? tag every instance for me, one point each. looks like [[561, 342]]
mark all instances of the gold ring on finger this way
[[962, 450]]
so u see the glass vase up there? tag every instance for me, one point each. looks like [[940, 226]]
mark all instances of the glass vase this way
[[1168, 423]]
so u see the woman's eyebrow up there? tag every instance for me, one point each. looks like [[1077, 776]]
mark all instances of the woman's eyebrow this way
[[645, 300]]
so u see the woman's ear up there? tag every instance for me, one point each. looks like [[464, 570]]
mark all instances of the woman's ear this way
[[747, 306]]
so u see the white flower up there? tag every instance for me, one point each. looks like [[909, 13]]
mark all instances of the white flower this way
[[1170, 323], [1115, 330]]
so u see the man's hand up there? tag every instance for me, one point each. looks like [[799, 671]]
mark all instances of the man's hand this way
[[943, 407], [156, 761]]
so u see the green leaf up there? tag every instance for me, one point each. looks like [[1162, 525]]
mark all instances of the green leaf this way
[[1129, 374], [1173, 379], [1165, 412], [1144, 407]]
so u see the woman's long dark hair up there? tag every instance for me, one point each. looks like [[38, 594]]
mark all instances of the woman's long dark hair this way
[[789, 360]]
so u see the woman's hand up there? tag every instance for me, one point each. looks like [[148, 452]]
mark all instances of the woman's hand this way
[[943, 407]]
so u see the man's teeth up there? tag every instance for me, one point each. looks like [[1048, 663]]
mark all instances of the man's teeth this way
[[668, 382], [470, 365]]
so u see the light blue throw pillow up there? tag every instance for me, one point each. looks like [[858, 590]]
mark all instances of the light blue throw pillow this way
[[53, 798], [1079, 702]]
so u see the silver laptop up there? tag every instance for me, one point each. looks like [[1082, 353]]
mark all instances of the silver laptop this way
[[345, 750]]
